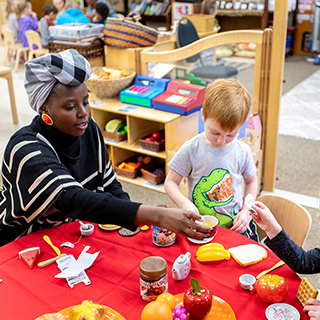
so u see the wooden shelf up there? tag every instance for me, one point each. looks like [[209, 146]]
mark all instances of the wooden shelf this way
[[141, 122]]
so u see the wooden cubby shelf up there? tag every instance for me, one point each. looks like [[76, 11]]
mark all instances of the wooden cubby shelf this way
[[141, 122]]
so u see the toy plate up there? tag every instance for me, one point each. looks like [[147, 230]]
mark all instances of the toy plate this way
[[109, 227], [220, 309], [203, 241], [282, 311], [110, 313]]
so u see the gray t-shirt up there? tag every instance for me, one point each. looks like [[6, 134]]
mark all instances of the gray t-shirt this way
[[13, 26], [215, 176]]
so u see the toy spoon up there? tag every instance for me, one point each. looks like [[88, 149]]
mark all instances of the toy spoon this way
[[48, 241], [277, 265]]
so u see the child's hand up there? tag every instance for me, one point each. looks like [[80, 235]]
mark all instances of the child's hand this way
[[313, 309], [241, 221], [188, 205], [33, 14], [265, 219]]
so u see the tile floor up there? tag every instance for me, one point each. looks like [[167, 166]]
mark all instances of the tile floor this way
[[298, 159]]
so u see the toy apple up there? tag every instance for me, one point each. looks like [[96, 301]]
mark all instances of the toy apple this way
[[150, 139], [157, 136], [197, 300], [272, 288]]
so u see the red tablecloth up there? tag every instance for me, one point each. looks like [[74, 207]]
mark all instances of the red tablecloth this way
[[27, 293]]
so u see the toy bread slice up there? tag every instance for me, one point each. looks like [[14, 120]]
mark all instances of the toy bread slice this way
[[248, 254], [306, 291]]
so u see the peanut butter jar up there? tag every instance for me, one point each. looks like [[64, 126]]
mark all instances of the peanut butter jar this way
[[162, 237], [153, 277]]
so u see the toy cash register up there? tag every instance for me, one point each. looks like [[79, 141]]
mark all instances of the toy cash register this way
[[180, 97], [143, 91]]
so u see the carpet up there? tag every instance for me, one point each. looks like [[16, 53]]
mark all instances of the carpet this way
[[300, 109]]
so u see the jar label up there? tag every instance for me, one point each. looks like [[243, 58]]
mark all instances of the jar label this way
[[162, 237], [150, 290]]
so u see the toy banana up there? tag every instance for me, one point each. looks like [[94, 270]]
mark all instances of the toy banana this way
[[210, 247], [214, 256]]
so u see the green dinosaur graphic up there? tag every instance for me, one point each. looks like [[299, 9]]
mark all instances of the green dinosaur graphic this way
[[212, 192]]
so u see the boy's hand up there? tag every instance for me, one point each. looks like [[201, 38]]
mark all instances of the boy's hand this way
[[241, 221], [313, 309], [188, 205]]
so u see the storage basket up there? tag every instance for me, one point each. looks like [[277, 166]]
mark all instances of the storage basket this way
[[152, 146], [153, 178], [108, 88], [91, 51], [127, 173], [130, 174], [115, 136], [126, 33]]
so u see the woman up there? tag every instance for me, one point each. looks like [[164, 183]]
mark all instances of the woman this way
[[294, 256], [57, 168], [72, 14]]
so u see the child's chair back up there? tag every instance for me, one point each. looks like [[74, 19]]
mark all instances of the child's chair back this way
[[8, 37], [34, 39], [11, 48]]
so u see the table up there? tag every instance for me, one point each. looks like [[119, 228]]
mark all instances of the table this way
[[27, 293]]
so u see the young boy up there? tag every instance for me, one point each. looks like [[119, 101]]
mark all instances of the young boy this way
[[214, 161], [102, 13], [49, 19]]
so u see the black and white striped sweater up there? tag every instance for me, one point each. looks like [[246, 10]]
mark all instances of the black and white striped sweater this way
[[50, 178]]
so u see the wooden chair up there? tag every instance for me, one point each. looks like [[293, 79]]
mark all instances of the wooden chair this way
[[294, 219], [11, 48], [5, 72], [34, 39], [2, 13]]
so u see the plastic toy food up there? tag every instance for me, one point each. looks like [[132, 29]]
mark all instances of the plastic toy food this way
[[306, 291], [30, 255], [197, 300], [167, 298], [179, 313], [52, 316], [157, 136], [212, 252], [272, 288], [156, 310], [248, 254], [87, 310]]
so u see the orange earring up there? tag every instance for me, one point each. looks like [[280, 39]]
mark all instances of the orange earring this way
[[47, 119]]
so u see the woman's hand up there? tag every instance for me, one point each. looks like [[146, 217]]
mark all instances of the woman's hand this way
[[241, 221], [177, 220], [265, 219], [313, 309]]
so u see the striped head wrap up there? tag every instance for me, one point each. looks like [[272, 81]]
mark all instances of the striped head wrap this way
[[67, 67]]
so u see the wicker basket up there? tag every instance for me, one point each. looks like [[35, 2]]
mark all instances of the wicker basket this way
[[127, 173], [115, 136], [152, 146], [153, 178], [124, 33], [92, 51], [108, 88]]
